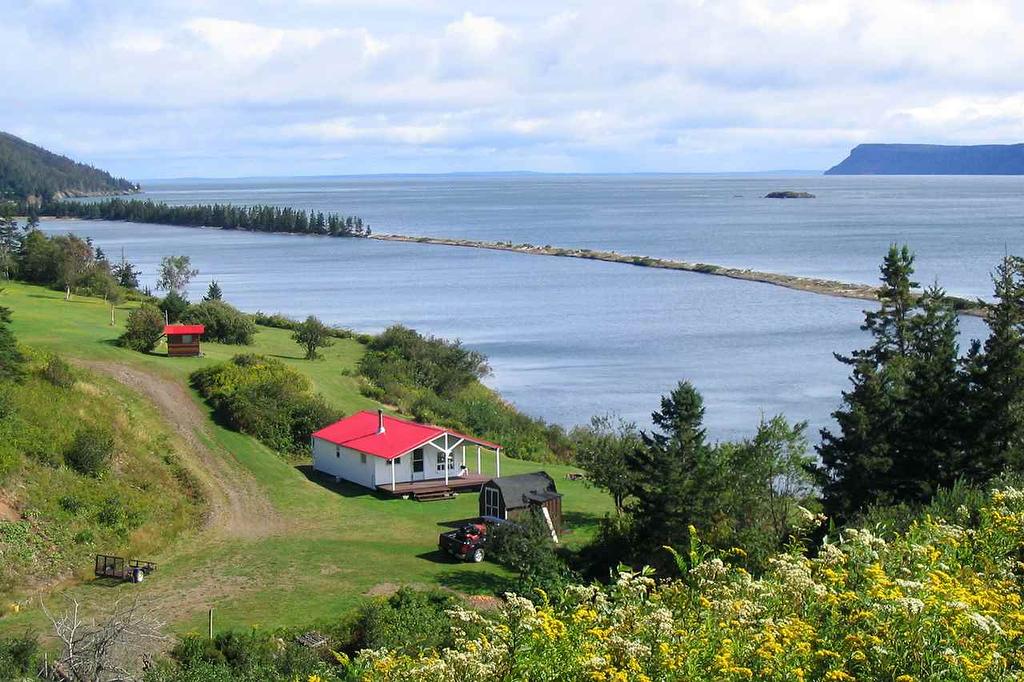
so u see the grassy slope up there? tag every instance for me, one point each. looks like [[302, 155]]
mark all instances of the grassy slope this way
[[338, 543], [139, 506]]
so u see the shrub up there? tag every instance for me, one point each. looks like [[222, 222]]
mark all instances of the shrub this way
[[90, 451], [407, 622], [266, 399], [12, 361], [526, 547], [224, 323], [19, 657], [174, 306], [58, 372], [71, 504], [404, 357], [144, 329]]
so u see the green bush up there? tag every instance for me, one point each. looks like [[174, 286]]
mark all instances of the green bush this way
[[144, 329], [224, 323], [58, 372], [437, 382], [19, 657], [279, 321], [174, 306], [266, 399], [71, 504], [12, 361], [90, 451], [407, 622], [401, 356]]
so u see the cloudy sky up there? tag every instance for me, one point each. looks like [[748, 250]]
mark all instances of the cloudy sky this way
[[296, 87]]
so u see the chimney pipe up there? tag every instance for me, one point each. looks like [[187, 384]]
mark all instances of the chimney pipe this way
[[380, 421]]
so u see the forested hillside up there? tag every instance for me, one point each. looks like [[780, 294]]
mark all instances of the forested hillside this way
[[28, 170]]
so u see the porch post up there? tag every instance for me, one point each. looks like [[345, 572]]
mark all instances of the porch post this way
[[478, 469], [392, 463], [463, 457], [446, 456], [497, 462]]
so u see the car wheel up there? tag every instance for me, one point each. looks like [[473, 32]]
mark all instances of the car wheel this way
[[478, 556]]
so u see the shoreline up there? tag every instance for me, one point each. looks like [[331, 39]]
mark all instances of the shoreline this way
[[812, 285]]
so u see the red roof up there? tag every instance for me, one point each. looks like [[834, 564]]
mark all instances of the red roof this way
[[400, 436], [184, 329]]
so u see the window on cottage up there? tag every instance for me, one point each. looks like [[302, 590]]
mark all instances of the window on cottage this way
[[337, 452], [362, 458], [186, 338]]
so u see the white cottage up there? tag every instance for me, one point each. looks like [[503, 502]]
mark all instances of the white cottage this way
[[382, 452]]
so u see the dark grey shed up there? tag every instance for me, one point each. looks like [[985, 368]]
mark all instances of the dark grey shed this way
[[509, 496]]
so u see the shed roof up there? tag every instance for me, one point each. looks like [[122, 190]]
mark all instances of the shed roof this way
[[360, 432], [184, 329], [522, 489]]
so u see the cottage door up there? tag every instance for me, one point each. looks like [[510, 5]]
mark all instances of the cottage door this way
[[417, 464]]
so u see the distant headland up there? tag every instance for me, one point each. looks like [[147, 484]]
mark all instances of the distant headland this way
[[932, 159]]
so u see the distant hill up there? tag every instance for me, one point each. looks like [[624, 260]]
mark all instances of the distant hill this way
[[28, 170], [932, 159]]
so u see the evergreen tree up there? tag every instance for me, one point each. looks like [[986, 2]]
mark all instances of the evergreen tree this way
[[997, 378], [903, 424], [173, 306], [213, 292], [676, 480], [126, 274], [932, 439], [10, 241], [12, 362], [857, 463]]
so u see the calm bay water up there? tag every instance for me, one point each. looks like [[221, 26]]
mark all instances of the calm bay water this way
[[567, 338]]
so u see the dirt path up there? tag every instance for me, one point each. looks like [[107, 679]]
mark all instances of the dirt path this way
[[238, 505]]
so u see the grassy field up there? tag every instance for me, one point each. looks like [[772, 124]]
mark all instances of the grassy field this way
[[324, 547]]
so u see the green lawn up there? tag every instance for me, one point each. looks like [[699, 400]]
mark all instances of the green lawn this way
[[335, 544]]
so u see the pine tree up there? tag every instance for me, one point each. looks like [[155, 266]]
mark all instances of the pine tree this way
[[213, 292], [857, 462], [997, 378], [932, 438], [11, 239], [676, 481]]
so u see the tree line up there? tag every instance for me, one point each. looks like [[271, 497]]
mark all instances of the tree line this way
[[259, 218]]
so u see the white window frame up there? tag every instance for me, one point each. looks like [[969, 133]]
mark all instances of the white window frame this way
[[492, 508]]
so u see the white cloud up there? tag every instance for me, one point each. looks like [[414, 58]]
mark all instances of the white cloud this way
[[436, 85], [482, 35]]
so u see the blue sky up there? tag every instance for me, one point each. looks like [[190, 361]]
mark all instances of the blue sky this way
[[299, 87]]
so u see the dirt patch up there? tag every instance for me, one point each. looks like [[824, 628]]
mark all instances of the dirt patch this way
[[238, 505], [382, 590], [482, 602], [8, 512]]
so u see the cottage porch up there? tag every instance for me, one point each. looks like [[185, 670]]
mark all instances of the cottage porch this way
[[435, 489]]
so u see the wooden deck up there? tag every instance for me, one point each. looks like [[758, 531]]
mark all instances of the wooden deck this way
[[435, 489]]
